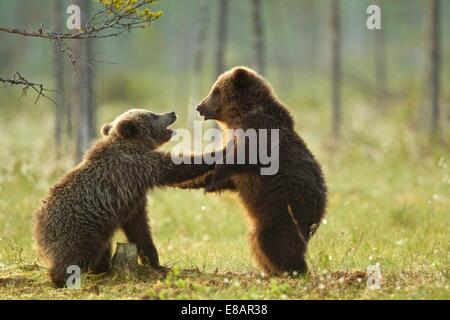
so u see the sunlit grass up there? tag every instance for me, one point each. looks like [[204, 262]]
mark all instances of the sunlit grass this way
[[389, 204]]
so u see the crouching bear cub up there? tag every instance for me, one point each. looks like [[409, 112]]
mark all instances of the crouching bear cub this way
[[107, 191], [284, 209]]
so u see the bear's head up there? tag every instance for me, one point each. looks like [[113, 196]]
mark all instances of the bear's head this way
[[237, 93], [141, 125]]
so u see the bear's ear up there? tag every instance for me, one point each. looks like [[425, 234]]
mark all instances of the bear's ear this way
[[106, 128], [240, 77], [126, 128]]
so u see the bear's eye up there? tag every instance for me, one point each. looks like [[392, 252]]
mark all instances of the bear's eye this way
[[216, 92]]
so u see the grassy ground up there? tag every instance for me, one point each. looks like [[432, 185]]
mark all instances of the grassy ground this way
[[389, 204]]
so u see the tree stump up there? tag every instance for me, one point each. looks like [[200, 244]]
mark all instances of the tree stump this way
[[125, 257]]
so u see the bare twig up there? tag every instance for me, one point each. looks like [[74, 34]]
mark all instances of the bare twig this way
[[109, 22], [113, 19], [19, 80]]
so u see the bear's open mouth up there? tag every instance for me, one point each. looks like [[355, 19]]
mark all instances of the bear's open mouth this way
[[207, 115], [171, 132]]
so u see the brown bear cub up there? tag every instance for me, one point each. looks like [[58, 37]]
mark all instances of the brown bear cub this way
[[284, 208], [107, 191]]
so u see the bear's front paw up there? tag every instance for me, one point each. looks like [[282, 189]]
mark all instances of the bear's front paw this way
[[213, 187]]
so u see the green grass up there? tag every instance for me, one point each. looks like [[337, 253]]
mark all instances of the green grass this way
[[389, 204]]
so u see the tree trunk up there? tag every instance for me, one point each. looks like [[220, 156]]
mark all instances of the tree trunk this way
[[434, 65], [258, 32], [77, 101], [90, 90], [222, 29], [196, 83], [86, 109], [58, 70], [380, 66], [336, 67]]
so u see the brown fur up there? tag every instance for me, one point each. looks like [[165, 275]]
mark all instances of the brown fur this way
[[286, 208], [107, 191]]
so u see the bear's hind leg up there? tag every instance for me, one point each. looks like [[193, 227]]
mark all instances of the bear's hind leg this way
[[103, 264], [281, 247], [58, 276], [76, 256]]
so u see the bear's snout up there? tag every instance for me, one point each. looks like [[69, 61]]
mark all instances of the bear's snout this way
[[199, 108], [169, 117], [203, 110]]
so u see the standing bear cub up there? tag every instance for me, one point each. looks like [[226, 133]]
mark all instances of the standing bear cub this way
[[284, 208], [107, 191]]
